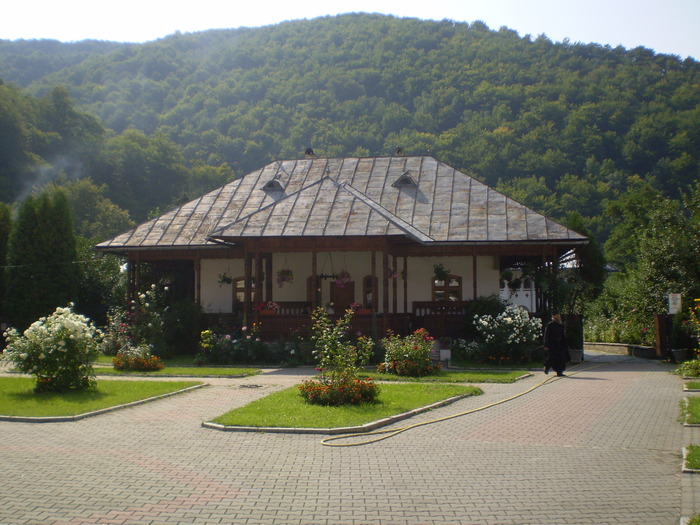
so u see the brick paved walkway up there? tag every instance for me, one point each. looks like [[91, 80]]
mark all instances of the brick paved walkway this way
[[601, 446]]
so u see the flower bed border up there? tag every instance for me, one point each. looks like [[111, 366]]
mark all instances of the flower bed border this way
[[367, 427], [78, 417]]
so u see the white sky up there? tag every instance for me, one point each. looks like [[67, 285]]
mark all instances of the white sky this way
[[666, 26]]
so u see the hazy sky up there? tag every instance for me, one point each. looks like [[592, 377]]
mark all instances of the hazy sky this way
[[666, 26]]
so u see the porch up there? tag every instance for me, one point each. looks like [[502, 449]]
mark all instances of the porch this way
[[292, 320]]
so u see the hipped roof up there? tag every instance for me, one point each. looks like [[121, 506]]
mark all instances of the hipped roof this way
[[415, 197]]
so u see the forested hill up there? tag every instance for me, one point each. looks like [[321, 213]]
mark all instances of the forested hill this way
[[559, 126]]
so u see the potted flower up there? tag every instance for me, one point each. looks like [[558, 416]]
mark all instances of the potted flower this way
[[441, 273], [269, 308], [285, 275], [225, 278], [342, 278]]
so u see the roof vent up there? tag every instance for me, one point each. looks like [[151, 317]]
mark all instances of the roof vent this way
[[273, 185], [405, 181]]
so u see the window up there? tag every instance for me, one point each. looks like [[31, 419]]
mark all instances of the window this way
[[369, 283], [239, 290], [449, 289]]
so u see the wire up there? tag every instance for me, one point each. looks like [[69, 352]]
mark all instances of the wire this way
[[386, 434]]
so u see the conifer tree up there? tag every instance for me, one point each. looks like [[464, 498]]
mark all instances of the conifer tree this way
[[41, 257], [5, 226]]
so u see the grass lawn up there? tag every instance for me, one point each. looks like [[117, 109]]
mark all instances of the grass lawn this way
[[191, 371], [692, 458], [693, 385], [692, 410], [457, 376], [288, 409], [18, 399]]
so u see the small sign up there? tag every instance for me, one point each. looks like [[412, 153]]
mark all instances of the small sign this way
[[674, 303]]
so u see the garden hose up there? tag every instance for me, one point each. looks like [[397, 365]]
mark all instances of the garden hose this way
[[386, 434]]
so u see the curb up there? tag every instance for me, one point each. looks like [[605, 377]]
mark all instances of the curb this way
[[78, 417], [367, 427]]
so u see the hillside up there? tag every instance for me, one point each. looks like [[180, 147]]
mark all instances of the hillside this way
[[538, 119]]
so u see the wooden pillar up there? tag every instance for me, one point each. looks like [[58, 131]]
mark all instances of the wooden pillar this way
[[385, 291], [248, 276], [375, 291], [268, 277], [314, 280], [474, 278], [198, 278], [259, 296], [404, 276], [394, 291]]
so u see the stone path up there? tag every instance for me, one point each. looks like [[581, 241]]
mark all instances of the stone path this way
[[602, 446]]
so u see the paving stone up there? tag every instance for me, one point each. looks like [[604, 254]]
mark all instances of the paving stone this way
[[602, 445]]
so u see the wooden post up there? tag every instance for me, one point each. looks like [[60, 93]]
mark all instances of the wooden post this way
[[247, 299], [314, 280], [268, 277], [661, 339], [405, 284], [395, 298], [474, 279], [385, 291]]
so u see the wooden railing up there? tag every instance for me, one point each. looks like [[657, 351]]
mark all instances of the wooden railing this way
[[441, 318]]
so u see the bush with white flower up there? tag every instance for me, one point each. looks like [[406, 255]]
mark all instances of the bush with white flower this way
[[510, 336], [57, 350]]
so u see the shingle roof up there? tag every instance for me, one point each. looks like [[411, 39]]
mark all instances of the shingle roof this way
[[417, 197]]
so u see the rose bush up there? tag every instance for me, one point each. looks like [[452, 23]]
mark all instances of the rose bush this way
[[137, 359], [57, 350], [409, 355], [339, 362]]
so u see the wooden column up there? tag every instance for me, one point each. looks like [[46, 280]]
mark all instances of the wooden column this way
[[259, 297], [247, 299], [394, 291], [314, 280], [474, 278], [375, 286], [198, 278], [405, 284], [385, 291], [268, 277]]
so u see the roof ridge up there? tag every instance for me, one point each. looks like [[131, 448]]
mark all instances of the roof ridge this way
[[411, 230]]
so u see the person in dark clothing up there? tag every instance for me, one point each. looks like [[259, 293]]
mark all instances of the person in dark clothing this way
[[555, 346]]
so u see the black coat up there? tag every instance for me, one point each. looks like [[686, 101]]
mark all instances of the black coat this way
[[556, 347]]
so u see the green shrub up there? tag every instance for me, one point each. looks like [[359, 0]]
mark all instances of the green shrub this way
[[245, 346], [338, 360], [409, 355], [57, 350], [688, 368]]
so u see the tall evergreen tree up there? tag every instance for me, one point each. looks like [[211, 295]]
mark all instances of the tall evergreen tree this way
[[42, 273], [5, 227]]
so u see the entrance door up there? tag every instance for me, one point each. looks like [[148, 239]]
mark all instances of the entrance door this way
[[342, 297]]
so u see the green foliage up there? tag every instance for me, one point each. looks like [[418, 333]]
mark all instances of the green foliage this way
[[688, 368], [137, 359], [41, 258], [57, 350], [408, 355], [224, 349], [339, 362], [572, 121], [5, 228]]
